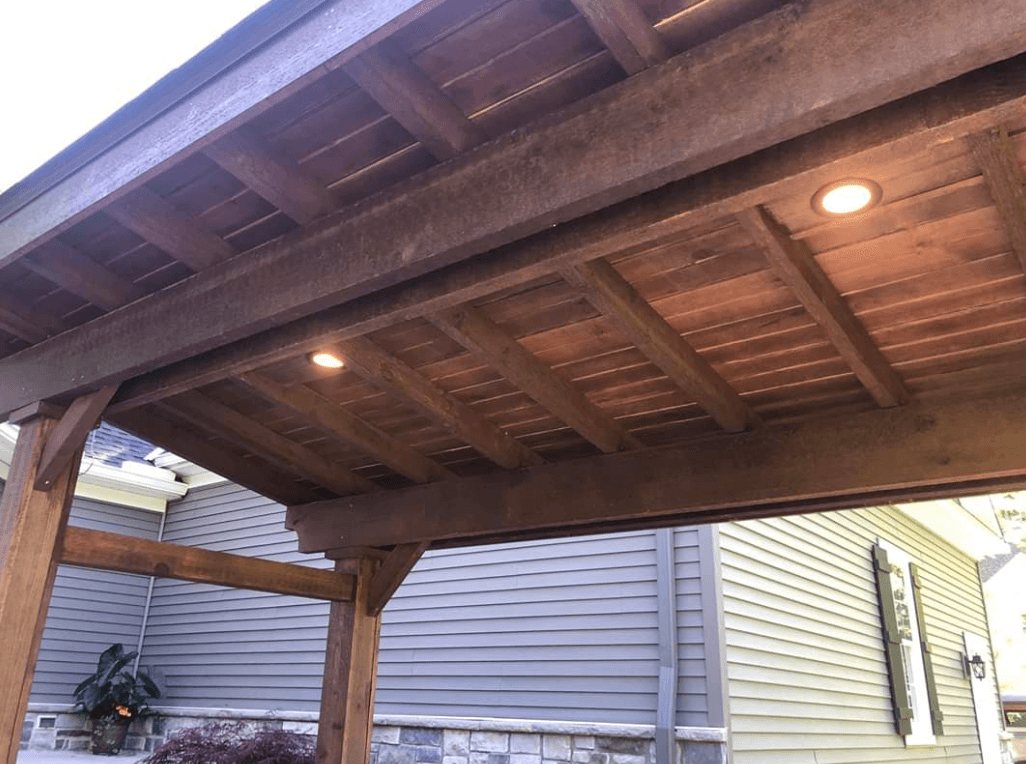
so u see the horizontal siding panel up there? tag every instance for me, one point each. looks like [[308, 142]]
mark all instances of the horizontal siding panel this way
[[806, 668], [551, 629]]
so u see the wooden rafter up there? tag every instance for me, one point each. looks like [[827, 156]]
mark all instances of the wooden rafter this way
[[624, 29], [256, 475], [388, 372], [971, 106], [212, 416], [159, 223], [875, 456], [416, 103], [611, 293], [794, 262], [21, 320], [79, 274], [499, 349], [1003, 175], [278, 180], [143, 557], [68, 437], [334, 420]]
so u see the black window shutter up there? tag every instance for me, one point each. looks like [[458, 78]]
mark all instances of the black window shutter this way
[[931, 683], [892, 643]]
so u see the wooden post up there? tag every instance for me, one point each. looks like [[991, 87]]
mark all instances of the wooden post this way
[[350, 672], [31, 528]]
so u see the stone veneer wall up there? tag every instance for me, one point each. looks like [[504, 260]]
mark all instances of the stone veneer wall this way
[[415, 740]]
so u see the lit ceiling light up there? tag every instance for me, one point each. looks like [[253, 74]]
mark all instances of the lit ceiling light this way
[[846, 197], [327, 360]]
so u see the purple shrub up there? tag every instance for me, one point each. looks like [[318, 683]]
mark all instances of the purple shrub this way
[[234, 743]]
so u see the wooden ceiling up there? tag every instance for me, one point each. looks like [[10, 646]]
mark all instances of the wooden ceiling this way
[[708, 299]]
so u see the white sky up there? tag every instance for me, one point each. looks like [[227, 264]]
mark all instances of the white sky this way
[[65, 65]]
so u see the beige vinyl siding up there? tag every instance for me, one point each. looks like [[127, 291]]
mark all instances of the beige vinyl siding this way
[[806, 670], [558, 629], [91, 609]]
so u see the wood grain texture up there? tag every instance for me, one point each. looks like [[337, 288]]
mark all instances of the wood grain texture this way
[[334, 420], [632, 144], [416, 103], [79, 274], [612, 294], [31, 527], [873, 457], [1003, 176], [68, 437], [794, 262], [476, 332], [624, 29], [159, 223], [143, 557], [394, 569], [350, 673], [391, 374], [254, 474], [278, 180], [208, 414]]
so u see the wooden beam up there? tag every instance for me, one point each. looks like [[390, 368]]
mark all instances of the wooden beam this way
[[416, 103], [632, 144], [161, 224], [256, 475], [334, 420], [611, 293], [501, 351], [68, 437], [143, 557], [794, 262], [278, 180], [1003, 175], [879, 456], [208, 414], [22, 319], [350, 673], [79, 274], [392, 375], [626, 31], [392, 573], [31, 526]]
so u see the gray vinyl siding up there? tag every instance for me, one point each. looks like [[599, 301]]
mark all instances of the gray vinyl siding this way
[[91, 609], [559, 629], [692, 691], [807, 676]]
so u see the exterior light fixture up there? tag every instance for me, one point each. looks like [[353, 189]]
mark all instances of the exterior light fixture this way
[[326, 360], [846, 197], [975, 666]]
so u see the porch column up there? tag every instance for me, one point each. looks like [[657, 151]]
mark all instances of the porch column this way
[[350, 671], [32, 525]]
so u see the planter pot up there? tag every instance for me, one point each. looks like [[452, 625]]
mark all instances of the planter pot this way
[[109, 735]]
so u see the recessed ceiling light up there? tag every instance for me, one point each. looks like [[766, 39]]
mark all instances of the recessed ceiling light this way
[[327, 360], [846, 197]]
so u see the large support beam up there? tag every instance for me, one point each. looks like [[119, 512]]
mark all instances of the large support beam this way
[[1003, 174], [32, 523], [605, 149], [143, 557], [561, 397], [611, 293], [794, 262], [350, 672], [853, 460]]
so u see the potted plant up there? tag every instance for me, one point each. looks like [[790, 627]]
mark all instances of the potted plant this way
[[113, 697]]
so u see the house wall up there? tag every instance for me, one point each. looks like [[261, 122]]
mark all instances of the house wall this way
[[91, 609], [808, 681], [560, 630]]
